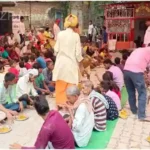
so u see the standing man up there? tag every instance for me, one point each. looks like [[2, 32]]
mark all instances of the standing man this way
[[68, 56], [94, 33], [21, 29], [90, 31], [147, 34], [104, 36], [134, 80], [56, 28]]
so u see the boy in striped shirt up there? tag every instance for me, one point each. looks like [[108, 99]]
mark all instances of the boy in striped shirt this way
[[99, 104]]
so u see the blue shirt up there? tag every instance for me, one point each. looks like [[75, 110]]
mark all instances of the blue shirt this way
[[41, 61]]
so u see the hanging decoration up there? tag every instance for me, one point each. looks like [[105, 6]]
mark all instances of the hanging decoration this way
[[142, 8]]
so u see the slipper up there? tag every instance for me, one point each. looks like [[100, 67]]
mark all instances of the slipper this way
[[123, 114]]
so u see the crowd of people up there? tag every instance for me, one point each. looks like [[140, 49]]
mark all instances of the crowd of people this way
[[62, 70]]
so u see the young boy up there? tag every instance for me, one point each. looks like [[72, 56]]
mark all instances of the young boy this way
[[13, 68], [118, 64], [23, 69], [27, 64], [5, 53], [39, 83]]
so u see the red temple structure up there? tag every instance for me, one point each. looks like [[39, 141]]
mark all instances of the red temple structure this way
[[125, 22]]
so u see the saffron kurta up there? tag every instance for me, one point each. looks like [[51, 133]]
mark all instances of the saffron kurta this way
[[68, 55]]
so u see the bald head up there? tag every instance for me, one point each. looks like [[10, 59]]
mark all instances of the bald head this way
[[73, 91], [87, 87]]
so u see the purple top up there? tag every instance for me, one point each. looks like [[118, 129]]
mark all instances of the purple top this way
[[56, 131]]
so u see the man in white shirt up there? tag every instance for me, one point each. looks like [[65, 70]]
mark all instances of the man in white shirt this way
[[147, 34], [82, 116], [90, 31], [21, 29]]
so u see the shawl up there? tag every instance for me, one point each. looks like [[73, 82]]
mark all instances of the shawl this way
[[99, 96]]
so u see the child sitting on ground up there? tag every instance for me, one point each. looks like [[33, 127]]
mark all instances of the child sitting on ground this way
[[5, 53], [23, 69], [27, 64], [106, 89], [40, 84], [13, 54], [2, 69], [13, 69], [32, 60]]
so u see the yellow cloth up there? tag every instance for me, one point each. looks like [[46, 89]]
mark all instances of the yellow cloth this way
[[46, 34], [85, 48], [71, 21]]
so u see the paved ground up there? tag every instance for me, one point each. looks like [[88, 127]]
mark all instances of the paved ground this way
[[129, 133]]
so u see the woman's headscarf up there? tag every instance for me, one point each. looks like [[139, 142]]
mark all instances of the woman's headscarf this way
[[57, 21], [71, 21]]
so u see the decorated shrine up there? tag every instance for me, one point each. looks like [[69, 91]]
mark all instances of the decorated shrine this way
[[125, 22]]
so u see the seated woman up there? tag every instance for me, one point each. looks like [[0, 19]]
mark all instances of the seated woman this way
[[99, 104], [12, 53], [108, 76], [112, 111], [54, 133], [105, 87], [82, 117]]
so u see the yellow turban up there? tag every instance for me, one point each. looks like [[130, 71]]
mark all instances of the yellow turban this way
[[71, 21]]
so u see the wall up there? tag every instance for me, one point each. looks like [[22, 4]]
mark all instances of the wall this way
[[81, 9], [37, 10], [137, 31]]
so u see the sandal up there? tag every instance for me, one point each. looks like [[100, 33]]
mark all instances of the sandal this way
[[123, 114]]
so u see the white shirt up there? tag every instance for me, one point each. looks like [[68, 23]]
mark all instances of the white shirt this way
[[69, 54], [90, 30], [83, 125], [147, 36], [22, 72], [21, 28], [11, 41], [25, 87]]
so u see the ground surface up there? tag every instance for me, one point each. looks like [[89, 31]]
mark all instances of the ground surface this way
[[129, 133]]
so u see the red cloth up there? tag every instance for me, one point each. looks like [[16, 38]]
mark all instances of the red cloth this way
[[117, 92], [14, 55], [28, 66], [38, 47]]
